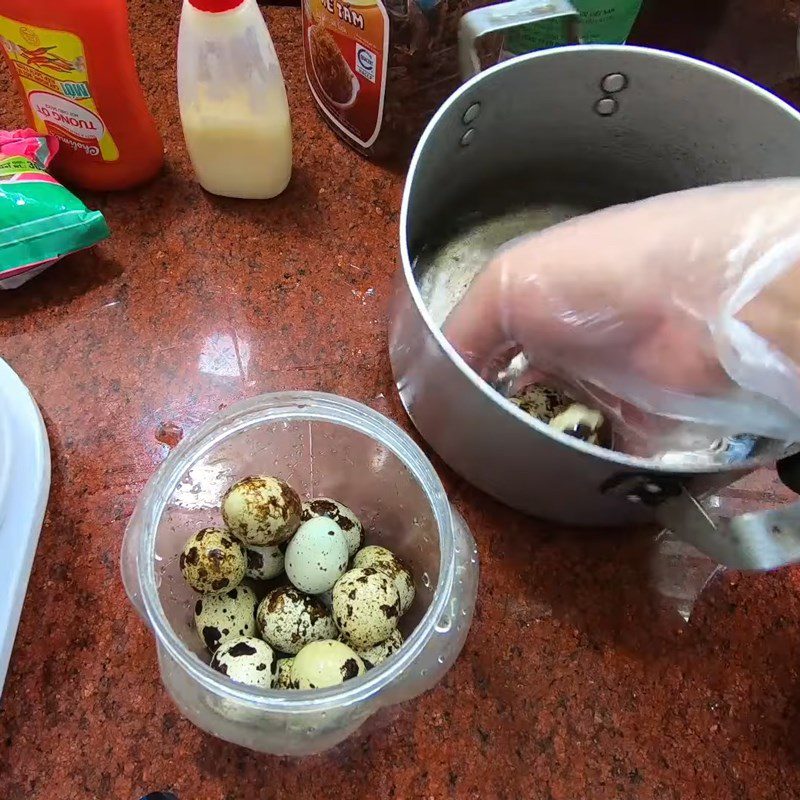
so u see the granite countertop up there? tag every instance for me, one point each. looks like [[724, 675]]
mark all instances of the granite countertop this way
[[578, 680]]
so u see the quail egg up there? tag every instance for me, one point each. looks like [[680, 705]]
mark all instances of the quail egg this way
[[541, 401], [378, 653], [580, 422], [325, 663], [366, 606], [219, 617], [245, 660], [212, 561], [264, 562], [289, 619], [341, 515], [283, 674], [316, 556], [386, 561], [261, 510]]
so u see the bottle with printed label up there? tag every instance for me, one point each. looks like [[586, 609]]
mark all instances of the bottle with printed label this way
[[346, 46], [232, 100], [73, 65], [601, 22]]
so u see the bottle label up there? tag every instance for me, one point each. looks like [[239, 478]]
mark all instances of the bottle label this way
[[601, 22], [346, 49], [51, 66]]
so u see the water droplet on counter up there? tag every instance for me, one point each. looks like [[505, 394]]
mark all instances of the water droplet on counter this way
[[169, 433]]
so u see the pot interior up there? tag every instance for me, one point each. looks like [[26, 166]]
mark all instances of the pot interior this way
[[538, 152]]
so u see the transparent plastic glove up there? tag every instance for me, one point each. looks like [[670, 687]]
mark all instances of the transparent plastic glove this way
[[684, 307]]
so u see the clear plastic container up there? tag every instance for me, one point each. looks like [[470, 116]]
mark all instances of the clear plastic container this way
[[232, 100], [322, 445]]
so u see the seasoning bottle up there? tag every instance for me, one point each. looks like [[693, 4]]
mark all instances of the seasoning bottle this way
[[74, 68], [233, 100]]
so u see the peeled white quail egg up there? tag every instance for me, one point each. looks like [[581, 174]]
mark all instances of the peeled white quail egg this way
[[289, 619], [245, 660], [283, 674], [378, 653], [386, 561], [212, 561], [325, 663], [580, 422], [341, 515], [219, 617], [264, 562], [316, 556], [366, 606], [261, 510]]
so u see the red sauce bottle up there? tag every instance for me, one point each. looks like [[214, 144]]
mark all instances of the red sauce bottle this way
[[73, 66]]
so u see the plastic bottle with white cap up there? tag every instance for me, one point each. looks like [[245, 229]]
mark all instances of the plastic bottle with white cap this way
[[232, 100]]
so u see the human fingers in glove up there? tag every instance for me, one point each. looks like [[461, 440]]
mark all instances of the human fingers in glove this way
[[686, 305]]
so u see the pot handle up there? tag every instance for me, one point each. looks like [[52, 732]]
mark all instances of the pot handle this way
[[759, 540], [500, 16]]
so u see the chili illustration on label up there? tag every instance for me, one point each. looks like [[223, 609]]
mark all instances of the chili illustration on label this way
[[346, 50], [51, 66]]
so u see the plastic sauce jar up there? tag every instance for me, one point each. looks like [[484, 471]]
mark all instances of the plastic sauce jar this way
[[232, 100], [73, 66]]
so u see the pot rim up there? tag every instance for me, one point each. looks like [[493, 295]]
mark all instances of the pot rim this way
[[631, 462]]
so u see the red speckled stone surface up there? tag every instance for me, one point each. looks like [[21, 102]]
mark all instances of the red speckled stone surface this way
[[579, 681]]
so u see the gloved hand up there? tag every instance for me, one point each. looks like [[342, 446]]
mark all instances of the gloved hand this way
[[684, 306]]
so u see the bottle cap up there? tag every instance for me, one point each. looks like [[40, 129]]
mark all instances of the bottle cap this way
[[215, 6]]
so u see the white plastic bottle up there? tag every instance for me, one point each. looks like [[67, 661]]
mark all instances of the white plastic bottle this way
[[233, 100]]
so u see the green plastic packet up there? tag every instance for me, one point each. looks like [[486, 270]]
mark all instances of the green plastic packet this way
[[40, 220]]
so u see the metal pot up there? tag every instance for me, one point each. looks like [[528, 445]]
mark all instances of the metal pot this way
[[598, 125]]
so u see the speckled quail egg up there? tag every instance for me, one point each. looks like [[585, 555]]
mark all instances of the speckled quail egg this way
[[378, 653], [245, 660], [325, 663], [341, 515], [316, 556], [580, 422], [386, 561], [541, 401], [264, 562], [219, 617], [366, 606], [261, 510], [289, 619], [212, 561], [283, 674]]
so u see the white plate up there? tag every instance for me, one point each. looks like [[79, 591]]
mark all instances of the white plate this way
[[24, 486]]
